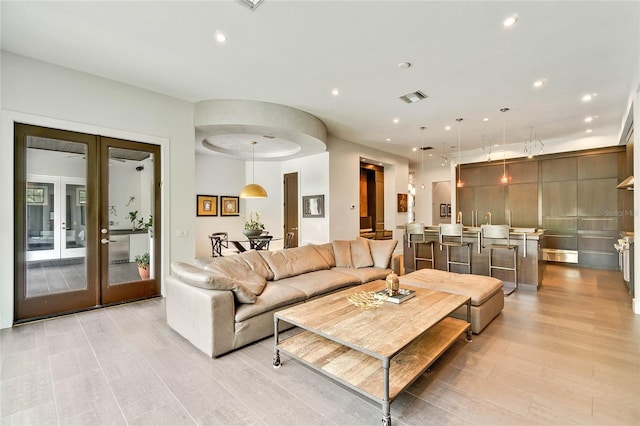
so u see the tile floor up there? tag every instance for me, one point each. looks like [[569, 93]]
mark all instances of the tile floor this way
[[568, 354]]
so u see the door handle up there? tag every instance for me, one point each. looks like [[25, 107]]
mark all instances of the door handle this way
[[294, 229], [106, 241]]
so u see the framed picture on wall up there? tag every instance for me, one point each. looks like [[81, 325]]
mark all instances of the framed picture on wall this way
[[207, 205], [229, 206], [313, 206], [443, 210], [403, 202], [448, 210]]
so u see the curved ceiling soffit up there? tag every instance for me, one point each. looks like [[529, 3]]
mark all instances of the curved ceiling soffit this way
[[227, 127]]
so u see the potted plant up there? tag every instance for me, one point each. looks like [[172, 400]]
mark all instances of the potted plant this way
[[252, 226], [138, 224], [143, 265]]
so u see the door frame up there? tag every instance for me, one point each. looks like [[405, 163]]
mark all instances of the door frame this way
[[57, 302]]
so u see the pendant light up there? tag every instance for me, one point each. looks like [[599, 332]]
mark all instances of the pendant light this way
[[459, 182], [422, 157], [253, 190], [505, 178]]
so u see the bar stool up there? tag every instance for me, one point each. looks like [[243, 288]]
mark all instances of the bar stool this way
[[415, 237], [500, 232], [450, 235]]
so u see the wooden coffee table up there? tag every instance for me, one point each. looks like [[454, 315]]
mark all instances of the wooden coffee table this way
[[377, 352]]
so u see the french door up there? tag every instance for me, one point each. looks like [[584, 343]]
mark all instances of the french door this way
[[86, 207]]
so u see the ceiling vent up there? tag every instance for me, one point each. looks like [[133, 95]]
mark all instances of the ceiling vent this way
[[426, 148], [251, 4], [413, 97]]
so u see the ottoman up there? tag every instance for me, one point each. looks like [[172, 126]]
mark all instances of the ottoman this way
[[487, 298]]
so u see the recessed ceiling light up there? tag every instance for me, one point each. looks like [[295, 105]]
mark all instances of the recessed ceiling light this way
[[510, 20], [588, 131], [388, 139], [587, 98], [379, 164], [414, 149], [538, 83], [485, 119], [220, 37], [447, 128], [396, 120], [430, 155], [588, 119], [335, 92], [404, 65]]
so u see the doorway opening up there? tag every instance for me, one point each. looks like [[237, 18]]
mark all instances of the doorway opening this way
[[371, 198]]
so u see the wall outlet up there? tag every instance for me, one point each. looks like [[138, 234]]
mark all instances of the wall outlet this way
[[181, 233]]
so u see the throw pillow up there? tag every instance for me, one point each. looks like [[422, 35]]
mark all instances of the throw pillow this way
[[256, 263], [360, 254], [381, 252], [326, 251], [342, 252], [294, 261], [234, 270]]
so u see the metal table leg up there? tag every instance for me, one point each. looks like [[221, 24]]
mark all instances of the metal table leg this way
[[386, 404], [276, 351]]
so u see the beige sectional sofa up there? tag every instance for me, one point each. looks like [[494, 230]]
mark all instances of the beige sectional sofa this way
[[229, 302], [487, 296]]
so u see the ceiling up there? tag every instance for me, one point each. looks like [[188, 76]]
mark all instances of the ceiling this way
[[294, 53]]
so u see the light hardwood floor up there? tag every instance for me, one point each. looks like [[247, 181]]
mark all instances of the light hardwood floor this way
[[569, 354]]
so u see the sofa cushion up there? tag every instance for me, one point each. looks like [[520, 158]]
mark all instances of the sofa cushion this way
[[256, 263], [360, 253], [320, 282], [342, 253], [233, 270], [364, 275], [381, 252], [326, 251], [479, 287], [211, 280], [293, 261], [274, 296]]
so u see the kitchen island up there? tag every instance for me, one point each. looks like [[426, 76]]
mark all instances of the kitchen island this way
[[530, 243]]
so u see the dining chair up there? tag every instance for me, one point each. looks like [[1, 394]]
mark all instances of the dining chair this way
[[220, 241], [288, 239], [260, 242]]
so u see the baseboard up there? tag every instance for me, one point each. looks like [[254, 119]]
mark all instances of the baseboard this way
[[636, 306]]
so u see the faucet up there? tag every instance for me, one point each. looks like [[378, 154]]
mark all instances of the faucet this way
[[488, 215], [459, 220]]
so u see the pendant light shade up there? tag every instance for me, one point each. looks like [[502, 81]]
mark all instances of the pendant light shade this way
[[253, 190], [459, 182], [504, 179], [422, 157]]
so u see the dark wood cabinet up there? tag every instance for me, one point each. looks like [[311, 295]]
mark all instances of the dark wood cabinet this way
[[573, 196], [522, 200]]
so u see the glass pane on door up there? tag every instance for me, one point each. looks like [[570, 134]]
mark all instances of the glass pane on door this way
[[131, 204], [55, 257]]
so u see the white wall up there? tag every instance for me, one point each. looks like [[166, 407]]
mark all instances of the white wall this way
[[38, 93], [433, 172], [344, 168], [313, 179]]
